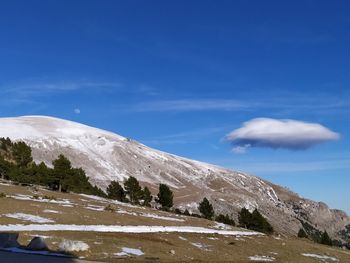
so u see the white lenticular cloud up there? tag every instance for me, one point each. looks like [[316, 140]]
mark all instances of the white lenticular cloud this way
[[273, 133]]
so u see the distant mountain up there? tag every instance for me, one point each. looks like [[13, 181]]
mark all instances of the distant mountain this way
[[106, 156]]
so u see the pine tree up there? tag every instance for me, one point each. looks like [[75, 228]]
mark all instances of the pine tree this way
[[61, 168], [206, 209], [43, 175], [302, 233], [147, 197], [186, 213], [133, 189], [22, 154], [4, 168], [325, 239], [116, 191], [165, 197], [245, 218], [259, 223]]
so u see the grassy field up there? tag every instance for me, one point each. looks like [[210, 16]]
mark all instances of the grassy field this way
[[72, 209]]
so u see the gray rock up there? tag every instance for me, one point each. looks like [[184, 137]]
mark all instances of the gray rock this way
[[37, 243], [8, 240]]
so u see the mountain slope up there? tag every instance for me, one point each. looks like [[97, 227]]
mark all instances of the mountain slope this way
[[106, 156], [80, 225]]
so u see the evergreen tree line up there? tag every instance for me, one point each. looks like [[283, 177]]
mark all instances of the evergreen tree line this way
[[133, 193], [323, 239], [254, 221], [16, 164]]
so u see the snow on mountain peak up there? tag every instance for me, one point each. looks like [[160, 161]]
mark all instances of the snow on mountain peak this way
[[44, 126]]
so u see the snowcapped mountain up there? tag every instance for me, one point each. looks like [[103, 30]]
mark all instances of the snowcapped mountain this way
[[106, 156]]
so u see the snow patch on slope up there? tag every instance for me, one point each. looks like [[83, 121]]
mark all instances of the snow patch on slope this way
[[126, 251], [29, 217], [125, 229]]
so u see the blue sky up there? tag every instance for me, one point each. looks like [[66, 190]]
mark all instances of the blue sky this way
[[179, 76]]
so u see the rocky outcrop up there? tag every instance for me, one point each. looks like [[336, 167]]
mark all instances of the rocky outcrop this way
[[37, 243]]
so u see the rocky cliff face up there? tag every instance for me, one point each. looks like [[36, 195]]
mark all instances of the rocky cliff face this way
[[106, 156]]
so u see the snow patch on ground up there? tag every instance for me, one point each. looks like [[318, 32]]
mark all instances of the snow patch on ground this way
[[262, 258], [51, 211], [95, 207], [68, 205], [201, 246], [222, 226], [125, 229], [93, 197], [73, 245], [126, 251], [182, 238], [29, 217], [40, 199], [104, 200], [120, 211], [162, 217], [323, 258]]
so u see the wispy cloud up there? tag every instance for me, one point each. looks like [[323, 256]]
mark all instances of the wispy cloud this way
[[193, 136], [292, 167], [278, 104], [191, 105], [241, 149], [273, 133], [32, 88]]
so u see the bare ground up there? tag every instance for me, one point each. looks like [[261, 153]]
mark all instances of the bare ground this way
[[156, 247]]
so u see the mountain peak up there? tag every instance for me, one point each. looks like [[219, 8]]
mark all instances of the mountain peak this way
[[106, 156], [37, 126]]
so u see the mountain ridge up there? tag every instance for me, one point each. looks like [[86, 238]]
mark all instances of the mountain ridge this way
[[106, 156]]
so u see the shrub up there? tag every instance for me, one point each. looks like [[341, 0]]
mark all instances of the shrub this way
[[195, 215], [325, 239], [177, 211], [2, 195], [49, 197], [110, 208], [302, 233], [226, 219]]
